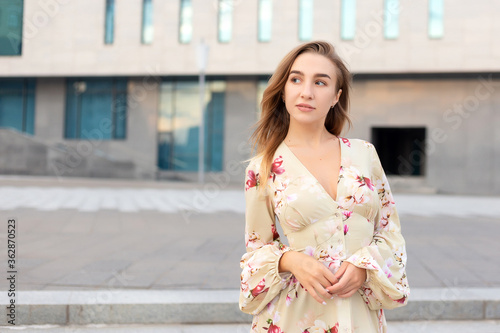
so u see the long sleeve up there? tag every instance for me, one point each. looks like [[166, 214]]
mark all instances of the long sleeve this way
[[386, 286], [260, 277]]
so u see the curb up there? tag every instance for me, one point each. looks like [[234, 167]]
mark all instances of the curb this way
[[218, 306]]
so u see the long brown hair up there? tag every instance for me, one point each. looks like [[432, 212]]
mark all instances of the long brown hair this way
[[272, 127]]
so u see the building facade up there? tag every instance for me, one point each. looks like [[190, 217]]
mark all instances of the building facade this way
[[110, 88]]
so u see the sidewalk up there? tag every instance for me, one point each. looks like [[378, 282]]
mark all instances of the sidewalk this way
[[88, 235], [442, 326]]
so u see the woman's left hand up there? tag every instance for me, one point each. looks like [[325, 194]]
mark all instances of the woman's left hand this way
[[350, 279]]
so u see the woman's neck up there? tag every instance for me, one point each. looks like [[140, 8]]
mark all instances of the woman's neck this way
[[307, 136]]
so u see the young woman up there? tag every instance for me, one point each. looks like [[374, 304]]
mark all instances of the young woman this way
[[346, 257]]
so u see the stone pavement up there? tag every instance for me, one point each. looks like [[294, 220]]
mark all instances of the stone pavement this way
[[81, 234], [442, 326]]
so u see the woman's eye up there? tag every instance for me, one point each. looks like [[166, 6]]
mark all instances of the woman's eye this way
[[321, 83], [295, 80]]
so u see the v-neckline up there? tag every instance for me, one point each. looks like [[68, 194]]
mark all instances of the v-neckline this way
[[313, 177]]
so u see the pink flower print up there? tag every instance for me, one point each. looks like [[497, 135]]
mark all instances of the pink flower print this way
[[244, 286], [346, 141], [291, 296], [276, 235], [385, 213], [253, 241], [260, 288], [365, 181], [387, 272], [276, 168], [253, 180], [334, 329], [368, 183], [401, 300], [321, 327], [272, 328], [309, 250], [389, 262], [347, 213], [346, 229]]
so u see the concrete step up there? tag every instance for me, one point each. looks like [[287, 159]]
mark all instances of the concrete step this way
[[441, 326], [124, 307]]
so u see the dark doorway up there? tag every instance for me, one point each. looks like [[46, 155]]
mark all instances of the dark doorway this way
[[401, 149]]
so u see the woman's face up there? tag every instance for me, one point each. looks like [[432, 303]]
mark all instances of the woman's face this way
[[310, 89]]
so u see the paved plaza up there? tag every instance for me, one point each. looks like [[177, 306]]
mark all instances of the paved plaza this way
[[88, 235]]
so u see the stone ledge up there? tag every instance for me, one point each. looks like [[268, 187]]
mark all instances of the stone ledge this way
[[219, 306]]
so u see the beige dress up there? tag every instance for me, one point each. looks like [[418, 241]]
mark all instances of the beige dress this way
[[360, 226]]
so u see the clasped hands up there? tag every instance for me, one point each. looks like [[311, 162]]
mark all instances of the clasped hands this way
[[318, 280]]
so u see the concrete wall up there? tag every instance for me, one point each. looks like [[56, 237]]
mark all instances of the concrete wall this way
[[50, 103], [22, 154], [66, 38], [241, 114], [462, 118], [137, 151]]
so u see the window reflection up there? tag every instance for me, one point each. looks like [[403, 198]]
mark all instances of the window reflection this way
[[391, 19], [96, 104], [186, 22], [179, 121], [265, 20], [110, 22], [17, 104], [306, 19], [348, 19], [225, 20], [11, 27], [436, 18], [147, 21]]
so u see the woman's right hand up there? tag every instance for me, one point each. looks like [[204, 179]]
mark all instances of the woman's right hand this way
[[312, 274]]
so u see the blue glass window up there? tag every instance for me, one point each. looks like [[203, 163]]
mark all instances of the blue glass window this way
[[109, 24], [179, 124], [225, 20], [306, 19], [436, 19], [186, 22], [348, 19], [391, 19], [11, 27], [17, 104], [96, 107], [147, 22], [265, 20]]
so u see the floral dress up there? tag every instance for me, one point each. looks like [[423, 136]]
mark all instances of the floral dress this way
[[360, 226]]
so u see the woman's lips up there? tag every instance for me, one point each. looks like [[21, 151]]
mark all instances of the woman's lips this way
[[305, 107]]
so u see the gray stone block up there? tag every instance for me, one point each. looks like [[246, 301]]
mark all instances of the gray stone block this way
[[492, 309], [30, 314], [438, 310], [188, 313], [210, 306]]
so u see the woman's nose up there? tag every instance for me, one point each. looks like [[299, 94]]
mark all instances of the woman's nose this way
[[307, 91]]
